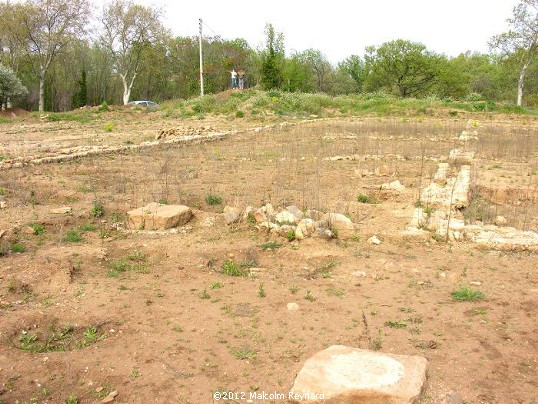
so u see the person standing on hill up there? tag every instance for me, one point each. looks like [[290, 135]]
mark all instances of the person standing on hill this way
[[234, 78], [241, 74]]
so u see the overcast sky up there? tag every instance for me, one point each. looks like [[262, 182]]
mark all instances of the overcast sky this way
[[341, 28]]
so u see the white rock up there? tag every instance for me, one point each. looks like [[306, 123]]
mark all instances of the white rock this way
[[295, 211], [299, 235], [374, 240], [286, 217], [306, 227], [500, 221], [64, 210], [393, 186], [155, 216], [292, 306], [268, 209], [351, 375]]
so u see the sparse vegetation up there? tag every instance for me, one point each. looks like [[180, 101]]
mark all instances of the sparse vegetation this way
[[230, 268], [212, 199], [362, 198], [271, 245], [98, 209], [18, 248], [72, 236], [466, 294]]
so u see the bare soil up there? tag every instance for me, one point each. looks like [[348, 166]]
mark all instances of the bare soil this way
[[152, 316]]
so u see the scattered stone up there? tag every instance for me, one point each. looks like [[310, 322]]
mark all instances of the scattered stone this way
[[475, 283], [231, 214], [249, 210], [99, 389], [384, 171], [268, 209], [374, 240], [314, 214], [352, 375], [28, 230], [286, 217], [339, 224], [208, 221], [111, 396], [413, 232], [394, 186], [305, 228], [295, 211], [155, 216], [465, 157], [442, 171], [360, 274], [64, 210], [453, 398], [260, 216], [292, 306], [500, 221], [453, 193], [3, 204]]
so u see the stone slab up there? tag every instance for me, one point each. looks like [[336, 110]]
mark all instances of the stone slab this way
[[348, 375], [155, 216]]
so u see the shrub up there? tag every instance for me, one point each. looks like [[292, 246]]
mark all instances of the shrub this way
[[466, 294], [213, 199], [18, 248], [230, 268], [38, 228], [98, 209], [72, 236]]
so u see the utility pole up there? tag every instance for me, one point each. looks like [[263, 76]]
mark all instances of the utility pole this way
[[201, 64]]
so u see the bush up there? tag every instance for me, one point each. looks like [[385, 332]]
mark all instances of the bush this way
[[213, 199], [466, 294], [98, 209]]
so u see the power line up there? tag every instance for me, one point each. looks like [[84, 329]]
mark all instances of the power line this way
[[216, 35]]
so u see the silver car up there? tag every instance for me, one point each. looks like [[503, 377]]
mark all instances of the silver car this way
[[148, 104]]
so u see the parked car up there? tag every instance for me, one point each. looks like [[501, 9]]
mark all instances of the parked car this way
[[148, 104]]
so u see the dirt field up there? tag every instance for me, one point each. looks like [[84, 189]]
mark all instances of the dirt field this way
[[88, 307]]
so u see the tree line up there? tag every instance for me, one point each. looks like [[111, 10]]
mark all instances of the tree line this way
[[60, 54]]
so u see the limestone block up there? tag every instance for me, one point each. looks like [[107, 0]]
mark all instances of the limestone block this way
[[348, 375], [155, 216]]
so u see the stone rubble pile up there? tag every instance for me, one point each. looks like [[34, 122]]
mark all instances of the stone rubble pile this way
[[442, 200], [292, 223], [185, 131], [71, 153]]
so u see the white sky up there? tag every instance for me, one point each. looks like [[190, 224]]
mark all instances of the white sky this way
[[340, 28]]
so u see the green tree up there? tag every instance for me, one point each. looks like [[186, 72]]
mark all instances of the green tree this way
[[297, 76], [10, 86], [402, 67], [356, 69], [521, 39], [43, 29], [320, 68], [80, 98], [128, 30], [272, 59]]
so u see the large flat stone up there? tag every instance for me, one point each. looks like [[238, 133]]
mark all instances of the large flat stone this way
[[350, 375], [155, 216]]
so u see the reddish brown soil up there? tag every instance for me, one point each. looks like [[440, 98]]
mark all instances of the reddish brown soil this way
[[171, 327]]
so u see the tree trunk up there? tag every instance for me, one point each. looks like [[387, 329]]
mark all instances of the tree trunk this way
[[127, 87], [42, 90], [126, 91], [521, 81]]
